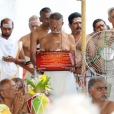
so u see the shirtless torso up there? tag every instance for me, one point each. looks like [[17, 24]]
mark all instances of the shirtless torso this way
[[107, 107], [36, 35], [58, 42], [26, 44]]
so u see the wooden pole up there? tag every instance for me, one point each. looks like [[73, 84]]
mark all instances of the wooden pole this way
[[83, 12]]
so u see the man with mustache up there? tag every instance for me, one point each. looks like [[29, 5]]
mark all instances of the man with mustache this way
[[97, 87], [11, 52], [62, 82], [75, 24]]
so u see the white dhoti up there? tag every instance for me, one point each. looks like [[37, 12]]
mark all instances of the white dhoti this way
[[62, 82]]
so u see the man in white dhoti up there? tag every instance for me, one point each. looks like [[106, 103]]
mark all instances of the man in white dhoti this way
[[62, 82], [11, 52], [75, 24]]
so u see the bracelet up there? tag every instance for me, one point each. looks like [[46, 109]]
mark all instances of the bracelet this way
[[16, 60]]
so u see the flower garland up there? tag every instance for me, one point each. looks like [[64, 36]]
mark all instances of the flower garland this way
[[4, 109]]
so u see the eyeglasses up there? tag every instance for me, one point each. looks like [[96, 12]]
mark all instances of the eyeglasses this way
[[13, 87], [101, 88], [20, 84]]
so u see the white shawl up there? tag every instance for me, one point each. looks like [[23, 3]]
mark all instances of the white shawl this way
[[8, 48]]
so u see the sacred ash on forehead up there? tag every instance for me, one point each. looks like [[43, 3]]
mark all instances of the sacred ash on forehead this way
[[34, 22], [77, 20], [9, 25]]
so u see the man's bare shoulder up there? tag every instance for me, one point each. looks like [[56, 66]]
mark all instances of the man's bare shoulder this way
[[110, 106], [25, 38], [112, 29], [46, 37], [67, 35], [70, 37], [38, 30]]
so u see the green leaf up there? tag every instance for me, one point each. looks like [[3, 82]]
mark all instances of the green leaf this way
[[42, 85], [30, 82]]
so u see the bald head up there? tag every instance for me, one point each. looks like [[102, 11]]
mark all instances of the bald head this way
[[8, 22], [4, 84], [34, 22], [8, 89]]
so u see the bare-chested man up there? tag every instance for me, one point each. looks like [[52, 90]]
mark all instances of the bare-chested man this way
[[11, 97], [75, 24], [97, 88], [34, 22], [62, 82], [37, 34]]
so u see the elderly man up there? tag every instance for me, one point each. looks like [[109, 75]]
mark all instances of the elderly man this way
[[11, 52], [37, 34], [11, 97], [62, 82], [97, 88], [73, 104], [34, 22]]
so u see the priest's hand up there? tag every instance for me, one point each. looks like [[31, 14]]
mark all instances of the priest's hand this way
[[8, 59]]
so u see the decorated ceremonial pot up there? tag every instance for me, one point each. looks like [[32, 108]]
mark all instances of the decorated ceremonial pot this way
[[38, 87]]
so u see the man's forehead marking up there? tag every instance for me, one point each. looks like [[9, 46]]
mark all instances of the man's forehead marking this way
[[7, 25], [77, 20]]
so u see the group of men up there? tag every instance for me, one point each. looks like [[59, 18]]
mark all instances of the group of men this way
[[47, 35]]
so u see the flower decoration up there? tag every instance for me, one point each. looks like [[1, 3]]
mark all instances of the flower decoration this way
[[4, 109], [39, 84]]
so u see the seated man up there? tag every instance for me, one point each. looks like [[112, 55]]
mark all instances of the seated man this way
[[73, 104], [97, 88], [21, 88], [11, 97]]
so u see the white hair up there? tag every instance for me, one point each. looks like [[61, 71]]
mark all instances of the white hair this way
[[109, 10], [33, 17], [73, 104]]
